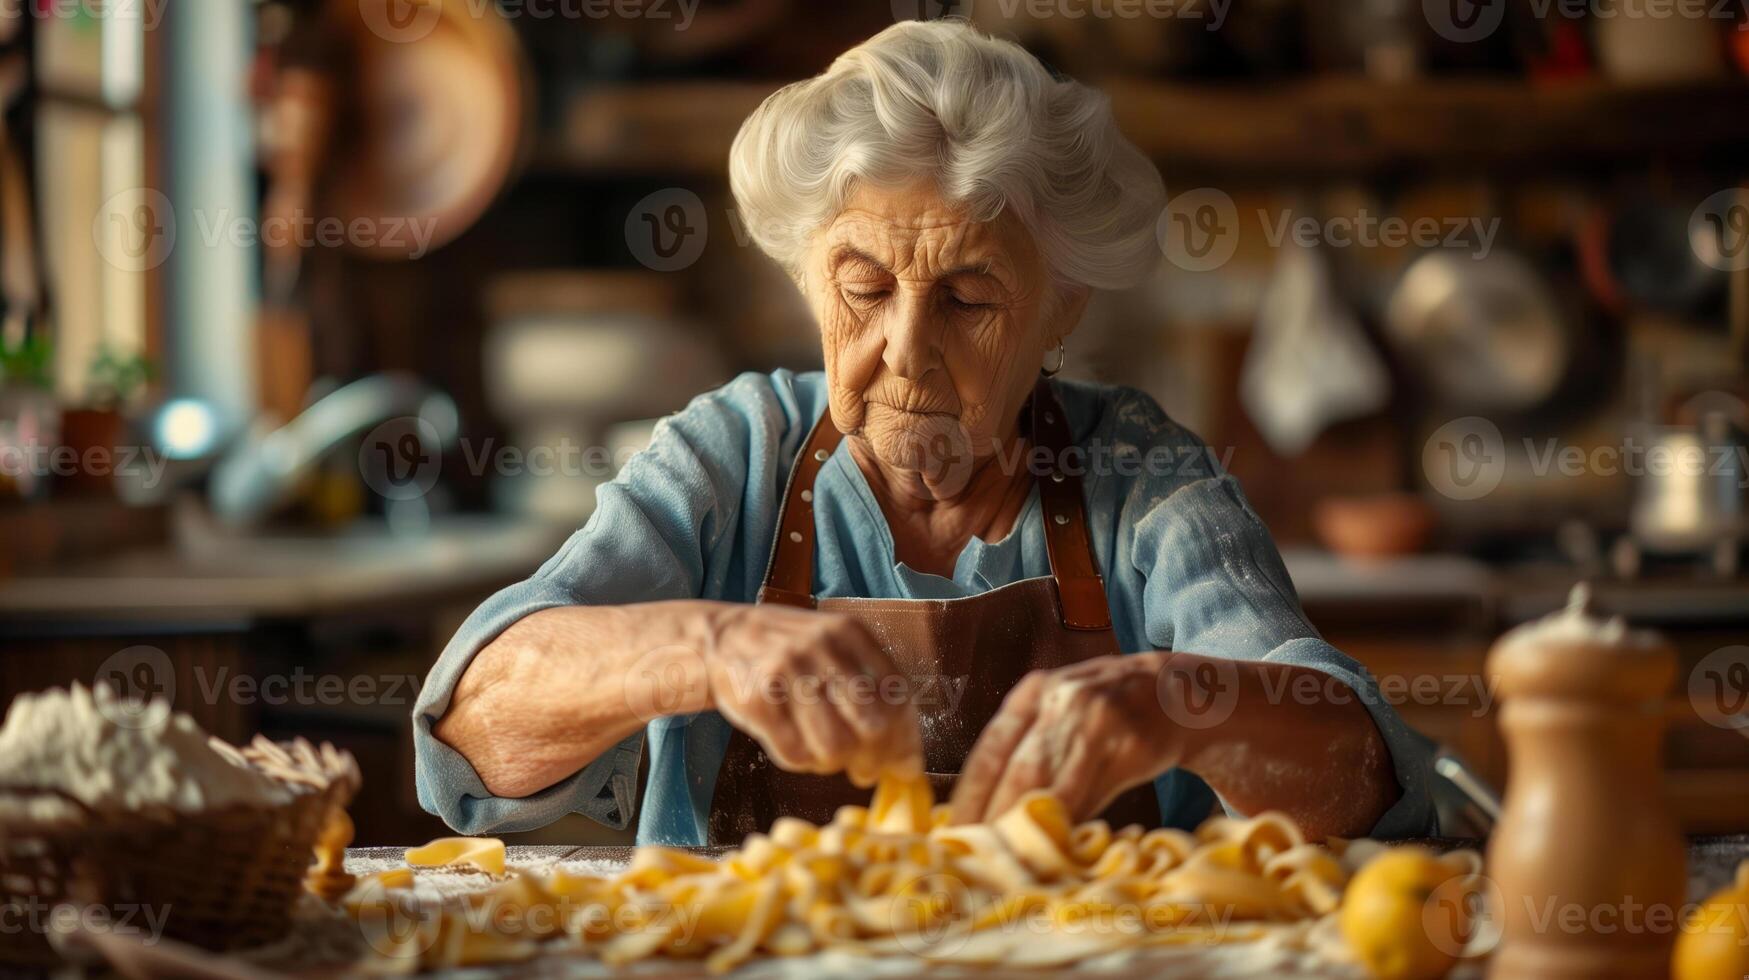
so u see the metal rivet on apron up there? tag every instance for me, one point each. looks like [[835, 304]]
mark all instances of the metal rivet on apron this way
[[820, 454], [807, 496], [796, 536], [1050, 416], [1062, 518], [1057, 477]]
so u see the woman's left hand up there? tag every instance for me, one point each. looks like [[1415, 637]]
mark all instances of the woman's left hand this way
[[1085, 732]]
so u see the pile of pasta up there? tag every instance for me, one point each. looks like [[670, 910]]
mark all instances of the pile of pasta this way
[[891, 878]]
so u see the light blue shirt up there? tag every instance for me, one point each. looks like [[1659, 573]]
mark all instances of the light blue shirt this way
[[1187, 564]]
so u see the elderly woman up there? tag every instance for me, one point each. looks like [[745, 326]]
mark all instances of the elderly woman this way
[[932, 554]]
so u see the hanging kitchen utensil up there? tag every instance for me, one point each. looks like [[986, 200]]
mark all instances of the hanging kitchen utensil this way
[[1309, 363], [433, 134], [1487, 333]]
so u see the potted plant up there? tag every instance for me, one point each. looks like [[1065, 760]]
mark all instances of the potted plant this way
[[93, 432], [27, 415]]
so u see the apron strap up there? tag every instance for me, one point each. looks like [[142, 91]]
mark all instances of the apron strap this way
[[1080, 590], [789, 574]]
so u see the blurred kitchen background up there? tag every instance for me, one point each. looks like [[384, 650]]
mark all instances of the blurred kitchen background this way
[[323, 319]]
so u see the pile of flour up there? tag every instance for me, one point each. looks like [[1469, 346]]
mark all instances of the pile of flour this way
[[118, 756]]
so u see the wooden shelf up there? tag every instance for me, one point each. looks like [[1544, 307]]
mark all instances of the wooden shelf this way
[[1327, 126], [1349, 125]]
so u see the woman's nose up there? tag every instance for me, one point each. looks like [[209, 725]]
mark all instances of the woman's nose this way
[[913, 337]]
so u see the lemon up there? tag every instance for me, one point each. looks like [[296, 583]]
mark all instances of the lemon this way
[[1384, 916], [1715, 940]]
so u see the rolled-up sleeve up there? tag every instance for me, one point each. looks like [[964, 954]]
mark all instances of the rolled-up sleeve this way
[[1215, 584], [662, 529]]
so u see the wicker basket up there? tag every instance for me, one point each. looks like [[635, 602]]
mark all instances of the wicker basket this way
[[222, 879]]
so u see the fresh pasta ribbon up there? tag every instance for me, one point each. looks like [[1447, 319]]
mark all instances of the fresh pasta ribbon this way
[[482, 853], [894, 877]]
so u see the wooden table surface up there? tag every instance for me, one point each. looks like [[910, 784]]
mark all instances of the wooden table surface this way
[[1712, 862], [1712, 859]]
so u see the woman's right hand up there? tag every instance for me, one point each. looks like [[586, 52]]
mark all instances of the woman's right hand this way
[[814, 690]]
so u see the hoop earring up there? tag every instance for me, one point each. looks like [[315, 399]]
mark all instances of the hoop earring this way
[[1062, 355]]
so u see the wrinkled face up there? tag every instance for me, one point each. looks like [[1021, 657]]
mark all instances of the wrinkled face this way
[[934, 327]]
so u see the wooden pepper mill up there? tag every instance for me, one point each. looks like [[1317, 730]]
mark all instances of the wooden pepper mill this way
[[1589, 864]]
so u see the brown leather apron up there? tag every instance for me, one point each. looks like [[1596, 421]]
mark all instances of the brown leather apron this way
[[962, 656]]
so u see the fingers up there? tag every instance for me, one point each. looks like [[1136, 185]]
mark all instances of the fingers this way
[[830, 740], [1079, 780], [1028, 769], [996, 746], [809, 687], [775, 732]]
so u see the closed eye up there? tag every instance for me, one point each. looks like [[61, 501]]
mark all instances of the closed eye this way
[[867, 295]]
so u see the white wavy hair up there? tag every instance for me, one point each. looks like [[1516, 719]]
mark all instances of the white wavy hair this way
[[978, 115]]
